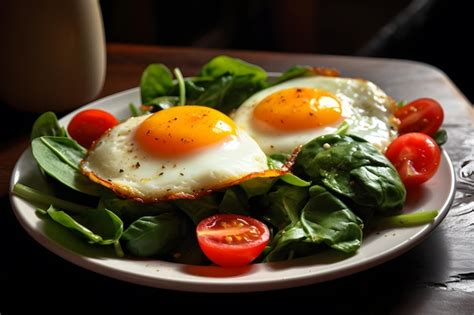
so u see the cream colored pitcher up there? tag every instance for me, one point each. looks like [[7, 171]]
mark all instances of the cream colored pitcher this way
[[52, 53]]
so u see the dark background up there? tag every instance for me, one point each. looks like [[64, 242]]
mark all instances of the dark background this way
[[436, 32]]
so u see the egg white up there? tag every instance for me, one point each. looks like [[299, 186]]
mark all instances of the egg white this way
[[117, 161], [365, 108]]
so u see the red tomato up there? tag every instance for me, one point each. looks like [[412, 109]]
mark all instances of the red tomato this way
[[231, 240], [88, 125], [416, 157], [423, 115]]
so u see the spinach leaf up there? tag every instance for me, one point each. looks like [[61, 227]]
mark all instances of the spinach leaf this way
[[257, 186], [47, 125], [289, 243], [294, 180], [294, 72], [152, 236], [324, 220], [221, 65], [97, 226], [199, 209], [66, 220], [189, 252], [156, 81], [234, 201], [214, 94], [59, 157], [283, 205], [234, 81], [223, 93], [277, 161], [242, 88], [130, 210], [164, 102], [441, 137], [327, 219], [136, 111], [194, 86], [378, 187], [223, 83], [353, 168], [227, 92]]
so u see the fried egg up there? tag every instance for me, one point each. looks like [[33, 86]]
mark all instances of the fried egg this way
[[282, 117], [178, 153]]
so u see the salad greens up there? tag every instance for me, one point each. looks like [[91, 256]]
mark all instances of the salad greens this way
[[155, 235], [47, 125], [130, 210], [338, 179], [135, 111], [221, 65], [355, 170], [277, 161], [223, 83], [156, 81], [46, 200], [59, 157], [294, 72], [283, 205], [324, 219], [441, 137], [98, 225]]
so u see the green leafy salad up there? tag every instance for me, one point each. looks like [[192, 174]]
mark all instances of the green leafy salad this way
[[324, 195]]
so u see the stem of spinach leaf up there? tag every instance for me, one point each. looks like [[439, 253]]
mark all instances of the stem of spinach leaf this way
[[182, 88], [342, 129], [404, 220], [133, 110], [118, 249], [34, 195]]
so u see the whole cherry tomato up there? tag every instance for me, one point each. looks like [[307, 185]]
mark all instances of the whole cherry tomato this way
[[423, 115], [416, 157], [88, 125]]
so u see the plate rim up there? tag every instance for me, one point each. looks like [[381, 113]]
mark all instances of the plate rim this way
[[101, 266]]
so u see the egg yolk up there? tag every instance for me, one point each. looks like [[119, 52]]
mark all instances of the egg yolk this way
[[180, 130], [298, 109]]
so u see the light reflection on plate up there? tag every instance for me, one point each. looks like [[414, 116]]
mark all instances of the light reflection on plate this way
[[438, 193]]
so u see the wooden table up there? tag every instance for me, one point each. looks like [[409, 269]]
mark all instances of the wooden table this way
[[435, 277]]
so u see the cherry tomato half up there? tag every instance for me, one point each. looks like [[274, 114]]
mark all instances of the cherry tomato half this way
[[416, 157], [231, 240], [88, 125], [423, 115]]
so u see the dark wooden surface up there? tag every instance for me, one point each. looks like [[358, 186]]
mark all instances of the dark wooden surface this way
[[436, 277]]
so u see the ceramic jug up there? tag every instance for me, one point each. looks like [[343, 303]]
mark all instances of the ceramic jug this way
[[52, 53]]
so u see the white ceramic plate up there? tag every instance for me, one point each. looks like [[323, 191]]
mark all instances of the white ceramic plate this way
[[438, 193]]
